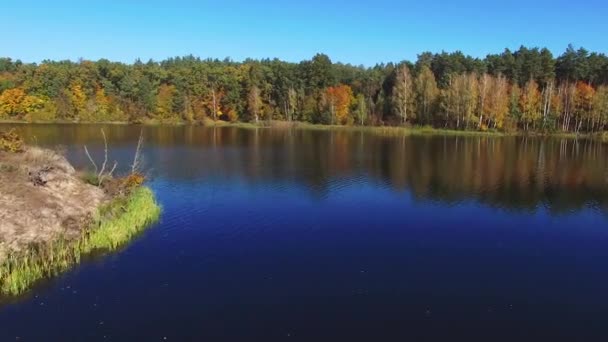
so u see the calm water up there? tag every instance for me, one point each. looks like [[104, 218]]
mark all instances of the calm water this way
[[318, 235]]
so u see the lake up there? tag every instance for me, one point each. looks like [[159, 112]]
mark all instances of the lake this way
[[277, 234]]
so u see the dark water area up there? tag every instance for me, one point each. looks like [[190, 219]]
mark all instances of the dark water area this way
[[271, 234]]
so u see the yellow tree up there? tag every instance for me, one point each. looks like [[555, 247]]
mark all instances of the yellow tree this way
[[470, 95], [459, 99], [600, 106], [556, 106], [78, 98], [403, 100], [566, 94], [484, 107], [426, 93], [164, 101], [212, 102], [15, 103], [449, 102], [102, 105], [529, 103], [497, 106], [254, 103]]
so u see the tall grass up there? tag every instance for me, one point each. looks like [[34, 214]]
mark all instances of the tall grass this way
[[398, 131], [113, 225]]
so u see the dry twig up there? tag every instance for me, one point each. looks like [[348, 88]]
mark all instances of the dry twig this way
[[136, 159]]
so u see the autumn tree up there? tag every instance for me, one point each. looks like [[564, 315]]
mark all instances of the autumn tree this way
[[546, 98], [361, 110], [485, 85], [212, 102], [469, 90], [556, 106], [567, 94], [291, 103], [254, 103], [427, 93], [164, 101], [600, 107], [102, 103], [449, 102], [514, 108], [339, 100], [98, 108], [497, 102], [443, 89], [15, 103], [459, 100], [403, 99], [530, 104], [78, 99], [583, 103]]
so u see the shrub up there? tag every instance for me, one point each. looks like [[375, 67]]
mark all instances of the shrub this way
[[11, 141], [123, 186], [90, 178], [133, 181]]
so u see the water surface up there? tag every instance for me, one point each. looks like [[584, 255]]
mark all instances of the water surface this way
[[307, 235]]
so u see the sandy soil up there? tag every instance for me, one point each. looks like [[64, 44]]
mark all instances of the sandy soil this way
[[41, 198]]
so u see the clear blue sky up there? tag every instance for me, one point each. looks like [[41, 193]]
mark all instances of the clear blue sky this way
[[348, 31]]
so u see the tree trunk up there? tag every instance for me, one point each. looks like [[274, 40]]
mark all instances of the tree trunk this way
[[214, 106]]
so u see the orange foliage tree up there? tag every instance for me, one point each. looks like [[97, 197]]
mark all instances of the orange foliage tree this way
[[339, 100], [583, 102]]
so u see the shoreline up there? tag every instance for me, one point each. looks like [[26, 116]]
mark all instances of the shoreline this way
[[382, 130], [114, 224], [53, 215]]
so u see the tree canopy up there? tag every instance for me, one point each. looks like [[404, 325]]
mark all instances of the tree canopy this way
[[524, 89]]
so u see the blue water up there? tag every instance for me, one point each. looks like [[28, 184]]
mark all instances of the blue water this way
[[313, 236]]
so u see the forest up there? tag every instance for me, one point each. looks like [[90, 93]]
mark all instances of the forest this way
[[528, 89]]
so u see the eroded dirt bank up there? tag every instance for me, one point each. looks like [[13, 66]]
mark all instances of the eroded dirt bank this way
[[42, 198]]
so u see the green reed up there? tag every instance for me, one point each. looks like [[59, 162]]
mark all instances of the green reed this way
[[114, 224]]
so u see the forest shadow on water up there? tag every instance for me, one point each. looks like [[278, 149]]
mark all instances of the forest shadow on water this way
[[336, 234], [519, 173]]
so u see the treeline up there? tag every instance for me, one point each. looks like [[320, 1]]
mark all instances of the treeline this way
[[527, 89]]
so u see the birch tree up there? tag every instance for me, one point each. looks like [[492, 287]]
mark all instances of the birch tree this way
[[254, 103], [426, 93], [403, 101]]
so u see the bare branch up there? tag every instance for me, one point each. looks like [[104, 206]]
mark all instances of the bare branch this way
[[136, 159], [109, 174], [102, 174], [86, 151], [105, 157], [113, 168]]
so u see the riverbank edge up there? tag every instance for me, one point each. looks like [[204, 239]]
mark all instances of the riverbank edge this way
[[381, 130], [114, 224]]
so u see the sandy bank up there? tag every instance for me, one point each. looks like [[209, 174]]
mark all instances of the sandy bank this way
[[50, 216], [42, 198]]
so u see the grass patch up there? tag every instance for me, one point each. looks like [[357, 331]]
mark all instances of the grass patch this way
[[90, 178], [115, 224], [8, 168], [389, 130]]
